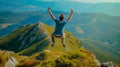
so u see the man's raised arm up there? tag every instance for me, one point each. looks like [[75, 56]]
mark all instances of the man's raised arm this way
[[49, 10], [71, 14]]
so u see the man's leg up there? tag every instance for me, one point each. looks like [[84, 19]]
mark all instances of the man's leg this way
[[53, 39], [63, 40]]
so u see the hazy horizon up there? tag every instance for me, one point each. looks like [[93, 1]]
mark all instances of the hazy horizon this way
[[109, 7]]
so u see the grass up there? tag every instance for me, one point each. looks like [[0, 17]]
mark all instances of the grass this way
[[58, 56], [100, 52], [73, 58], [71, 41], [36, 46]]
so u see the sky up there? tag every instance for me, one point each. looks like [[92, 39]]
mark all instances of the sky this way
[[87, 1]]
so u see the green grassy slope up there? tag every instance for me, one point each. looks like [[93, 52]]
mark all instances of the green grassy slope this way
[[58, 56], [21, 42], [71, 41], [74, 58], [104, 52]]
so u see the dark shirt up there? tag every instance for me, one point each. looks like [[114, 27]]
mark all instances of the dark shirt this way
[[59, 27]]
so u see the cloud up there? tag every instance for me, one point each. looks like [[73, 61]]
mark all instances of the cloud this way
[[96, 1], [79, 30], [5, 25], [31, 6]]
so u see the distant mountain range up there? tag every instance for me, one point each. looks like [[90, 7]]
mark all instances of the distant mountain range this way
[[37, 5], [97, 32]]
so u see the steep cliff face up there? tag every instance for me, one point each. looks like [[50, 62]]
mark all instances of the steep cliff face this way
[[24, 38]]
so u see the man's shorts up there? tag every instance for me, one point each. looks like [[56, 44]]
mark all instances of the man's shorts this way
[[61, 36]]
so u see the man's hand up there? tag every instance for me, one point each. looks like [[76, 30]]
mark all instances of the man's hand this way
[[69, 18], [49, 8]]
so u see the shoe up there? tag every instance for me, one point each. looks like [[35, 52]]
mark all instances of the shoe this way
[[52, 45], [64, 45]]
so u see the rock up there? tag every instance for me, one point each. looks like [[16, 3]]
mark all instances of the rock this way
[[11, 62], [22, 45], [107, 64], [32, 38], [46, 50]]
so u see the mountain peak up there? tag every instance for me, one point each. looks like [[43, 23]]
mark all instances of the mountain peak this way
[[34, 40]]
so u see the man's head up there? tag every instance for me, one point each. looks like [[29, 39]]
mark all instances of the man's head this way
[[62, 17]]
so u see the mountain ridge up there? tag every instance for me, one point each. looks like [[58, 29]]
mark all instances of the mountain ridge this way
[[34, 35], [52, 56]]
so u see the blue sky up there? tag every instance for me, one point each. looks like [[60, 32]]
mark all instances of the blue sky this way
[[86, 1]]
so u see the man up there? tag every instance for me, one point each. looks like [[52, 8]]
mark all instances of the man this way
[[59, 27]]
